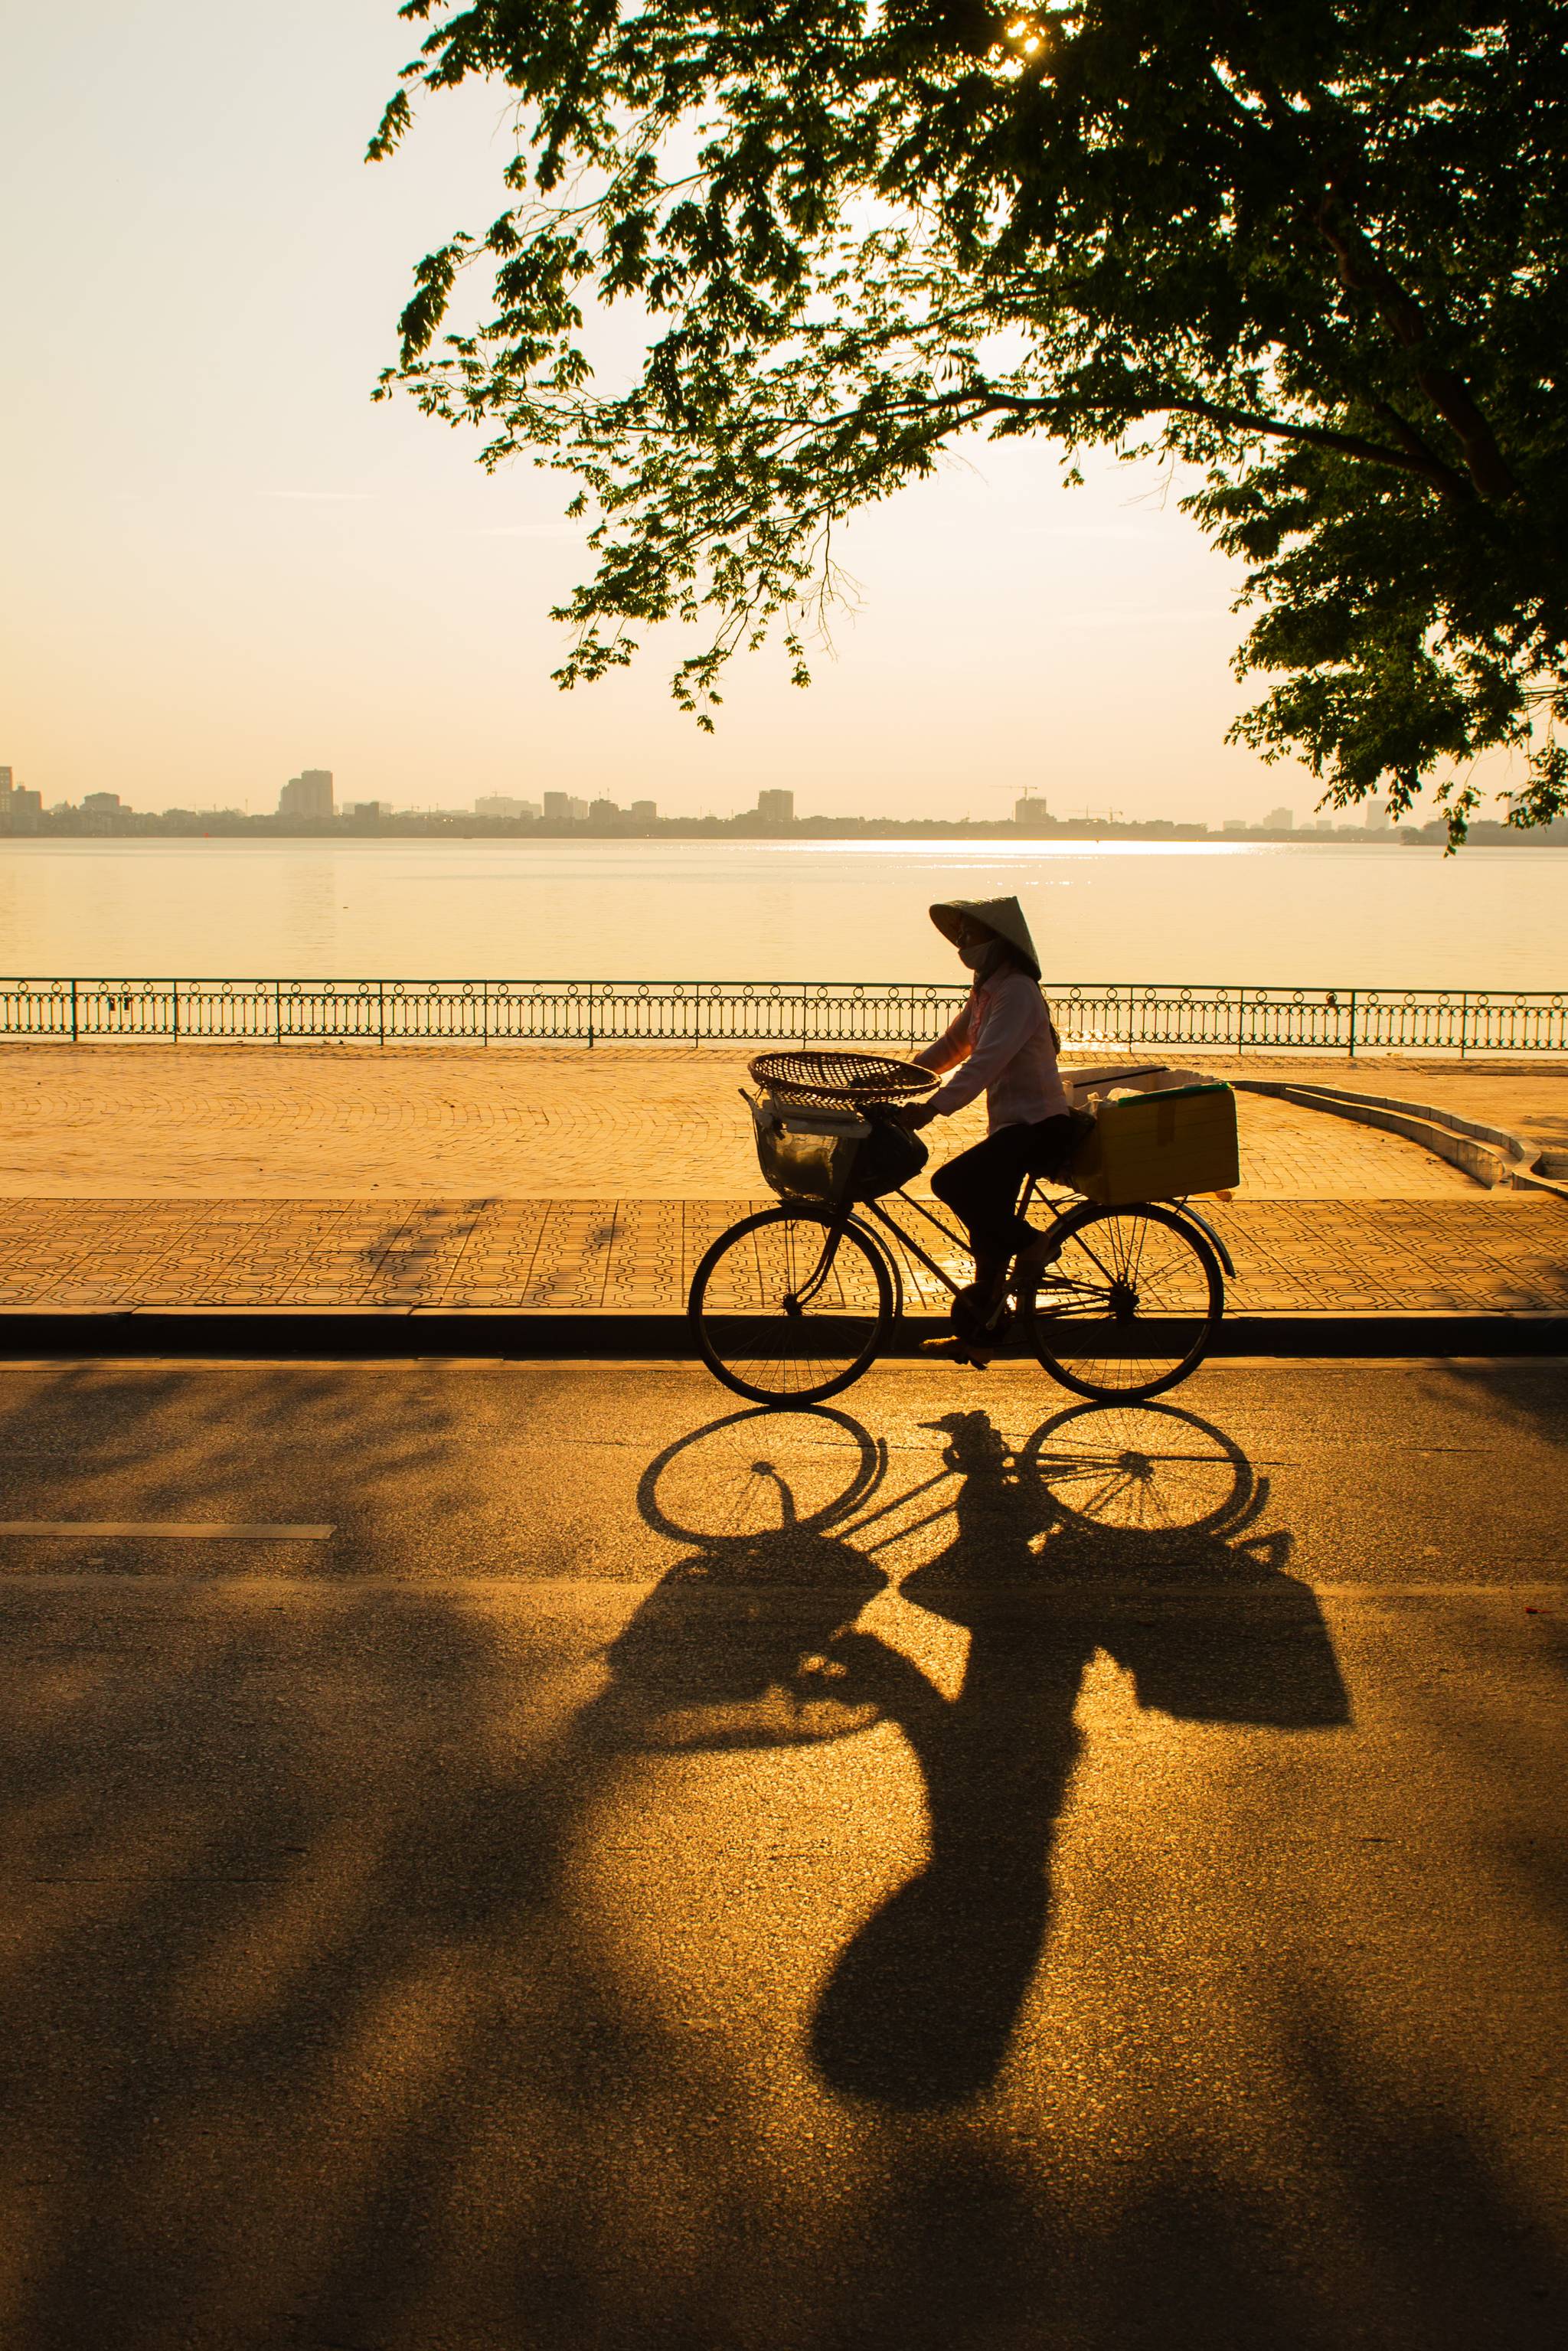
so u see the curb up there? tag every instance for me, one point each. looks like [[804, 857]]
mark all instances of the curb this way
[[401, 1331], [1491, 1154]]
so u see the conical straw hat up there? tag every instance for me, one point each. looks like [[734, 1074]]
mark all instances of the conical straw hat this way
[[1004, 916]]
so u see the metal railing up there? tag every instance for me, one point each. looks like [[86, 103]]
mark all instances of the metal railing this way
[[586, 1012]]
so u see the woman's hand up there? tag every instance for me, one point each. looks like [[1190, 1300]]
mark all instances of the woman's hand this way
[[914, 1114]]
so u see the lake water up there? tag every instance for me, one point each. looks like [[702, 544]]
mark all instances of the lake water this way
[[1274, 914]]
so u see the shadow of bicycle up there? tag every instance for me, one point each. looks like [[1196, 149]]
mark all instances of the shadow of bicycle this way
[[1132, 1532]]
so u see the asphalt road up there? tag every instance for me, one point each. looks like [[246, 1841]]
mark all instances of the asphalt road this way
[[961, 1869]]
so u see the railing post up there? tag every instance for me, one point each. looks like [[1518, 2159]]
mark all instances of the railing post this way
[[590, 1020], [277, 1010], [73, 1012], [1464, 1020], [485, 1010], [381, 1012], [174, 1000], [1352, 1024]]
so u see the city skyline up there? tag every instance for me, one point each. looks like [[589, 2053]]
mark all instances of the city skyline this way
[[307, 808]]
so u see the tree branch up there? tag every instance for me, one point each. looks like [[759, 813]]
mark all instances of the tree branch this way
[[1362, 272], [1412, 457]]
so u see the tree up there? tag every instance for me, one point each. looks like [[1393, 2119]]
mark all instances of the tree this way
[[1317, 251]]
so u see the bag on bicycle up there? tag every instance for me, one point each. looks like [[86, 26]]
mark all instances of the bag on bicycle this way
[[890, 1157]]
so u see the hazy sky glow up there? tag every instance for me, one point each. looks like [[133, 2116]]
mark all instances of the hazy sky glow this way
[[223, 563]]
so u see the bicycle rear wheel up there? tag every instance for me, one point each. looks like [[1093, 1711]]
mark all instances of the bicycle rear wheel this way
[[787, 1309], [1129, 1305]]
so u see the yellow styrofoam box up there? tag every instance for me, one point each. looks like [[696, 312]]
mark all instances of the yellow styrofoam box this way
[[1160, 1147]]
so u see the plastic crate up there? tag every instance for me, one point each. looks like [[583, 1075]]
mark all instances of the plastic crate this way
[[1160, 1147]]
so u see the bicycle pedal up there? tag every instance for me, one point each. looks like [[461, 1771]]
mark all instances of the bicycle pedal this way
[[955, 1351]]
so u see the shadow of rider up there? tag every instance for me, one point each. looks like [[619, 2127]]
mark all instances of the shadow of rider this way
[[1059, 1549], [920, 2005]]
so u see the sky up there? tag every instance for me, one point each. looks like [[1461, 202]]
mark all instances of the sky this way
[[223, 563]]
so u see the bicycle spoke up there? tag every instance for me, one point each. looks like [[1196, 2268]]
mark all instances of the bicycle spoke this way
[[788, 1308], [1143, 1279]]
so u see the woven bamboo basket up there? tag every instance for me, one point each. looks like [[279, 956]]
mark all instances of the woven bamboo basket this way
[[840, 1081]]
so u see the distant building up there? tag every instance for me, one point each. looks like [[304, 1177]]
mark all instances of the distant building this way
[[1030, 810], [1322, 824], [1235, 824], [775, 808], [603, 812], [19, 809], [1279, 819], [501, 805], [369, 811], [644, 811], [308, 795], [564, 808], [1378, 818], [103, 811]]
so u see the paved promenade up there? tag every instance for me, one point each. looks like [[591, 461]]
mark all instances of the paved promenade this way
[[570, 1181], [267, 1122]]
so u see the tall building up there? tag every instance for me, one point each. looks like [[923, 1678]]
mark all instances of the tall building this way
[[603, 812], [308, 795], [503, 806], [100, 803], [565, 807], [775, 808], [1031, 809], [644, 811], [1378, 818], [19, 809], [1279, 819]]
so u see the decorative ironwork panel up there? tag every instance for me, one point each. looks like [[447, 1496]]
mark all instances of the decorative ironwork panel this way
[[125, 1008], [35, 1008], [331, 1009]]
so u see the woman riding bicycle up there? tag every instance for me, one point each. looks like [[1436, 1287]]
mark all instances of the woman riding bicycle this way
[[1002, 1042]]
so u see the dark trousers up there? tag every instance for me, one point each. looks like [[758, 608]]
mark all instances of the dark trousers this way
[[981, 1186]]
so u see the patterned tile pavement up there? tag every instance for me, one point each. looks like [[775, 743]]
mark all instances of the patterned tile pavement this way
[[1488, 1253]]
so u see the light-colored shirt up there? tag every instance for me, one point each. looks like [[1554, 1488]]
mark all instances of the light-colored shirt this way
[[1001, 1042]]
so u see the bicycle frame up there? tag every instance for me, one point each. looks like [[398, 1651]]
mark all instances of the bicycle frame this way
[[958, 1240], [1031, 1197], [847, 1215]]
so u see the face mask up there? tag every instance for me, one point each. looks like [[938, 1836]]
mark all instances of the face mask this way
[[973, 957]]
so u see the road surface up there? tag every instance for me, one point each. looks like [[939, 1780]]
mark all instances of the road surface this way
[[508, 1855]]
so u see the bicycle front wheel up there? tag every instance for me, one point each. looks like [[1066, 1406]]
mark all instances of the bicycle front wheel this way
[[1129, 1305], [789, 1308]]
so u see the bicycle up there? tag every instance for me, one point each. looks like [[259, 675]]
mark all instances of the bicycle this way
[[794, 1303]]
